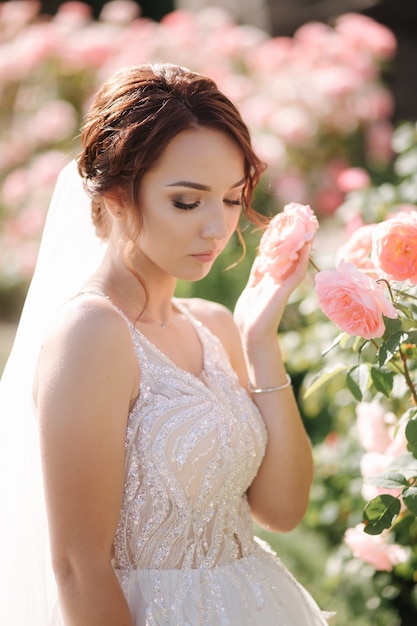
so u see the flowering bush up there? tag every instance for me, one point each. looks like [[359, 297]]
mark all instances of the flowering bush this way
[[314, 102], [377, 361]]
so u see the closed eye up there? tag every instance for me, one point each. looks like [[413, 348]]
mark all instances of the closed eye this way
[[234, 202], [184, 206]]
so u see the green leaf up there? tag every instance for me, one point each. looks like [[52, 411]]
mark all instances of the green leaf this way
[[389, 480], [338, 340], [405, 310], [412, 337], [411, 431], [383, 380], [357, 380], [410, 499], [405, 464], [380, 513], [390, 347], [325, 376], [411, 435], [391, 326]]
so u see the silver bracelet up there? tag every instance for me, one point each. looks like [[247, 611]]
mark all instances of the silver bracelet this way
[[253, 389]]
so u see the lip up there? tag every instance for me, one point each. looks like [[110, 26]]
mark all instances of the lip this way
[[205, 257]]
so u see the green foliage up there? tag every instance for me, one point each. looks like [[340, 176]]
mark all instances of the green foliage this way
[[380, 513]]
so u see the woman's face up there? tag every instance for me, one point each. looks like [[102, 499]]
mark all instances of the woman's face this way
[[191, 203]]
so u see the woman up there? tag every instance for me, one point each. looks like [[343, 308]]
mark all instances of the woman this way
[[155, 456]]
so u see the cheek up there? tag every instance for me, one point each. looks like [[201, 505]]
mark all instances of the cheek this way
[[233, 220]]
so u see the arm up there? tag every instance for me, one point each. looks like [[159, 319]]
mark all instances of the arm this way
[[87, 376], [279, 494]]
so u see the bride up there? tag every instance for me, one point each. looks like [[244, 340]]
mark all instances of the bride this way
[[165, 425]]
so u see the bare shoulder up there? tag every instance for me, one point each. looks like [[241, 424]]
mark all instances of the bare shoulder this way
[[88, 320], [87, 335]]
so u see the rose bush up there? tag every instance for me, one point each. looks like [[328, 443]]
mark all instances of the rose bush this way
[[366, 386], [355, 303]]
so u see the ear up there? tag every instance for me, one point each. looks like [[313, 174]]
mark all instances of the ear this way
[[114, 204]]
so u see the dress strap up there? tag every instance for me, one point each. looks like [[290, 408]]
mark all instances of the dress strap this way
[[185, 310], [101, 294]]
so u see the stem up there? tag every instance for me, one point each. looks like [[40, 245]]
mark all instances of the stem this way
[[407, 376], [310, 260], [383, 280], [404, 294]]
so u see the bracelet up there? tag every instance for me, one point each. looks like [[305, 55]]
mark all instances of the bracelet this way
[[253, 389]]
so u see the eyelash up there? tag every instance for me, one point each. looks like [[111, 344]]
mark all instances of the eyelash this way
[[185, 207], [194, 205]]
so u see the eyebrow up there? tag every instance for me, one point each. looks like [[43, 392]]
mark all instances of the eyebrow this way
[[191, 185]]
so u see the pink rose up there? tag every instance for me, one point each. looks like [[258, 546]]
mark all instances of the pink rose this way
[[394, 248], [373, 426], [353, 301], [374, 464], [367, 34], [286, 234], [294, 124], [374, 549], [54, 121], [378, 137], [353, 178], [358, 248], [119, 11], [398, 444]]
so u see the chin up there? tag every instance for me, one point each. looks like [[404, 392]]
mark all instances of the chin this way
[[194, 276]]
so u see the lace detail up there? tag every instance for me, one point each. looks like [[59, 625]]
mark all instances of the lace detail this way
[[193, 447]]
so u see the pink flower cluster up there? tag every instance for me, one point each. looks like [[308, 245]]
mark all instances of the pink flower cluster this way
[[286, 234], [375, 549], [352, 296], [383, 440], [387, 249], [293, 92]]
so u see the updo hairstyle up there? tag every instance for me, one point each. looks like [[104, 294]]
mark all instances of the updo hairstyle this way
[[131, 121]]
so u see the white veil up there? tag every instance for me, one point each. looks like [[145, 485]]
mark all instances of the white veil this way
[[69, 253]]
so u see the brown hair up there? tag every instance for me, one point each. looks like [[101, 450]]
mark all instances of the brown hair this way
[[135, 115]]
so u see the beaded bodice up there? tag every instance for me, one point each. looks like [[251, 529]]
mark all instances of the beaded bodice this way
[[193, 447]]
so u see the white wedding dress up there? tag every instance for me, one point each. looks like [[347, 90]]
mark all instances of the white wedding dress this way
[[185, 553]]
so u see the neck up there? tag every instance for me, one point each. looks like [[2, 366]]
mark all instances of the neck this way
[[125, 291]]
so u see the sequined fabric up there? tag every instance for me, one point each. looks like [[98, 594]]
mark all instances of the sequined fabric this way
[[185, 553]]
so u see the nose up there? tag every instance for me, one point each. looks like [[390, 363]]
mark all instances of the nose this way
[[216, 224]]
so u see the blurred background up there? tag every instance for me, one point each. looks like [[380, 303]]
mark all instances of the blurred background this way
[[329, 91]]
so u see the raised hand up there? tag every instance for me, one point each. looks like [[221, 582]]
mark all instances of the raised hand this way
[[277, 270]]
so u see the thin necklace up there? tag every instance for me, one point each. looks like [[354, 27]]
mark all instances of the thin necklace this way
[[162, 323]]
